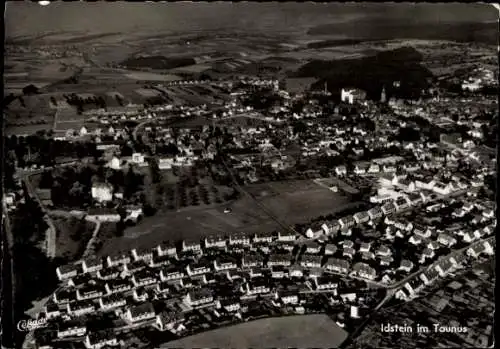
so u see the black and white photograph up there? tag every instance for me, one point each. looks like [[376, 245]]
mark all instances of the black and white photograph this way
[[249, 175]]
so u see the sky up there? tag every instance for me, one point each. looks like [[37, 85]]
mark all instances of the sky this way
[[26, 18]]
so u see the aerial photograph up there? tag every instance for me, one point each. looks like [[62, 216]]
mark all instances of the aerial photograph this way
[[249, 175]]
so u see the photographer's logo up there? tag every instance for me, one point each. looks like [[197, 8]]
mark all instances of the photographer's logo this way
[[30, 325]]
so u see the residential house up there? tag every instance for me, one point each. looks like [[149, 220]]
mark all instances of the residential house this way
[[191, 246], [279, 259], [287, 236], [429, 276], [312, 247], [118, 259], [170, 273], [406, 265], [167, 249], [170, 321], [198, 268], [88, 292], [71, 328], [446, 240], [251, 260], [311, 261], [295, 271], [347, 222], [388, 208], [255, 286], [239, 240], [92, 265], [109, 273], [363, 270], [337, 265], [361, 217], [330, 249], [278, 272], [80, 308], [112, 302], [139, 313], [375, 213], [143, 278], [287, 297], [65, 272], [101, 339], [326, 282], [444, 267], [265, 237], [221, 264], [219, 242], [117, 286], [102, 192], [199, 297]]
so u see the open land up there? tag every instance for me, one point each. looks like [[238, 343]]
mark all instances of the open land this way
[[291, 202], [72, 236], [311, 331]]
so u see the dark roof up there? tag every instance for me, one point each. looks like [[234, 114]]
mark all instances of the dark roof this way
[[142, 309]]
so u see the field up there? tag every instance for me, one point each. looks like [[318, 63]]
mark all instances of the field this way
[[146, 76], [72, 237], [307, 331], [298, 201], [291, 202]]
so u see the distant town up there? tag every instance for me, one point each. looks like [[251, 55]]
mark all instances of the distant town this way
[[142, 223]]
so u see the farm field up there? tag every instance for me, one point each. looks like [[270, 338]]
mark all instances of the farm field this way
[[291, 202], [193, 223], [298, 201], [306, 331]]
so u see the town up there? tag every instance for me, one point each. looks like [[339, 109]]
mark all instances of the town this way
[[253, 196]]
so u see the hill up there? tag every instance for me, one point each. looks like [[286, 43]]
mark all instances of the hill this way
[[157, 62], [486, 33], [372, 73]]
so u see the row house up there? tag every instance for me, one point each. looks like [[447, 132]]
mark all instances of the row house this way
[[139, 313], [65, 272], [71, 329], [197, 268], [230, 305], [109, 273], [239, 240], [80, 308], [279, 260], [256, 286], [287, 297], [117, 286], [117, 260], [191, 246], [337, 265], [168, 249], [265, 237], [92, 265], [143, 278], [219, 242], [221, 264], [140, 254], [100, 339], [134, 266], [252, 260], [325, 282], [170, 273], [88, 292], [160, 261], [112, 302], [311, 261], [52, 311], [199, 297], [287, 236]]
